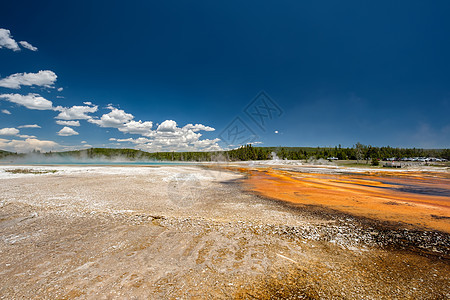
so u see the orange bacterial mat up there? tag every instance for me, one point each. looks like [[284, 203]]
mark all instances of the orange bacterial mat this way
[[420, 199]]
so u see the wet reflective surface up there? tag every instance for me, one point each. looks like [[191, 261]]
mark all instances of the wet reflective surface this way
[[412, 199]]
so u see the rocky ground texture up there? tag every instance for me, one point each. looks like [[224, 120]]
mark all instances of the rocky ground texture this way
[[187, 232]]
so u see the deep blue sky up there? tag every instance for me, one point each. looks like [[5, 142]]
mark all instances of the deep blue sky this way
[[376, 72]]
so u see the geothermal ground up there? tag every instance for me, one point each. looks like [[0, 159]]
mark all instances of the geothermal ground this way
[[219, 232]]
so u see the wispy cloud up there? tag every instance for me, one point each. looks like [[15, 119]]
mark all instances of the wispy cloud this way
[[26, 136], [5, 111], [28, 46], [30, 126]]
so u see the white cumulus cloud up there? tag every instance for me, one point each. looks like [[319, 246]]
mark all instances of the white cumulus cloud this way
[[9, 131], [27, 145], [141, 140], [116, 118], [67, 131], [28, 46], [5, 111], [139, 127], [169, 137], [31, 101], [167, 126], [198, 127], [6, 40], [68, 123], [45, 78], [75, 112]]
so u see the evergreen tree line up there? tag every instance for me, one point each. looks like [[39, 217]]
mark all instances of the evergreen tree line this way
[[248, 152], [357, 152]]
